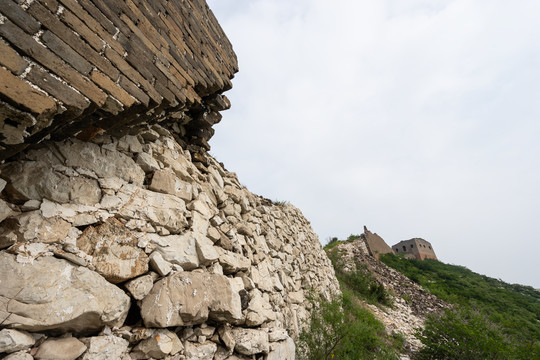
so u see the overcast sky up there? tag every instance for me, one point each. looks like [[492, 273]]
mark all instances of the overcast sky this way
[[417, 118]]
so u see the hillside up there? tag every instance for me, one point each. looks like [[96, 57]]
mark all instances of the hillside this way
[[512, 310], [428, 310], [381, 309]]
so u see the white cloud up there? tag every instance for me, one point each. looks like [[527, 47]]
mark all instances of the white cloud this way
[[416, 118]]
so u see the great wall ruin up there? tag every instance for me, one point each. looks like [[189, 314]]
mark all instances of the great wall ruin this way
[[120, 236]]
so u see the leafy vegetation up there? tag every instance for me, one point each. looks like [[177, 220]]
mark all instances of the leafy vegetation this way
[[334, 241], [359, 280], [491, 319], [344, 329], [463, 333]]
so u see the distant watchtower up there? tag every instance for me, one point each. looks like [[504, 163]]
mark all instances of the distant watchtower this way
[[415, 248]]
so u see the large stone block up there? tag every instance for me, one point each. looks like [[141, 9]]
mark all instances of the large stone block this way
[[53, 294], [114, 250], [185, 299], [35, 180]]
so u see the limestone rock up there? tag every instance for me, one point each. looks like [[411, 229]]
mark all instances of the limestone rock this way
[[19, 356], [53, 294], [68, 348], [250, 341], [284, 350], [103, 162], [259, 310], [13, 340], [197, 351], [161, 344], [129, 143], [114, 249], [106, 348], [296, 297], [205, 250], [165, 181], [277, 334], [159, 209], [233, 262], [35, 180], [227, 336], [141, 286], [147, 162], [184, 299], [5, 210], [177, 249], [159, 265], [32, 226]]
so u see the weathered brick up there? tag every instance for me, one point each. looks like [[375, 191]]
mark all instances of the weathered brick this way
[[165, 70], [73, 8], [84, 31], [55, 87], [167, 94], [50, 4], [69, 37], [104, 57], [176, 91], [16, 14], [132, 74], [20, 93], [142, 59], [11, 59], [69, 55], [110, 10], [96, 13], [134, 90], [143, 24], [112, 88], [26, 44]]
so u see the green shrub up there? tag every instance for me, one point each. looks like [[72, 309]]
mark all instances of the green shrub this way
[[343, 329], [360, 281], [463, 334], [407, 298], [352, 237], [512, 309], [332, 242]]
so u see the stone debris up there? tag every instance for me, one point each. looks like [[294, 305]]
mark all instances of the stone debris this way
[[106, 348], [203, 351], [411, 303], [250, 341], [160, 344], [68, 348], [13, 340], [19, 356]]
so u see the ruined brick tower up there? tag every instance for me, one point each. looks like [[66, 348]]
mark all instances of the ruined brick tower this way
[[416, 248]]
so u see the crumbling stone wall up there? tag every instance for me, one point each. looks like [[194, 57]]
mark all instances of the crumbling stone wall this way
[[139, 249], [120, 237], [375, 244], [81, 67]]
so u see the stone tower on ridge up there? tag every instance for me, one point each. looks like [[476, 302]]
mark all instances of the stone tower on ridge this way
[[416, 248]]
